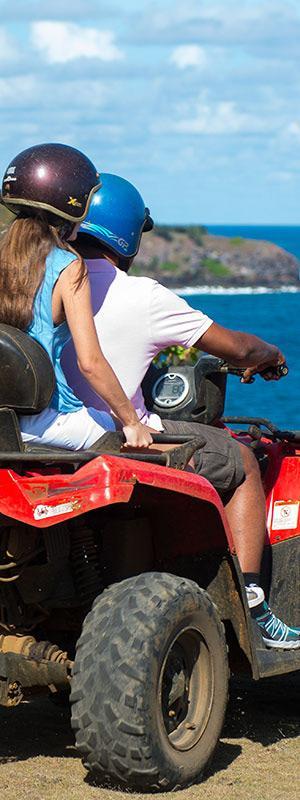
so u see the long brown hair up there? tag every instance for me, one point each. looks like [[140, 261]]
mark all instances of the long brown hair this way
[[23, 252]]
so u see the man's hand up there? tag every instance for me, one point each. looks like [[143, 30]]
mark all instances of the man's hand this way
[[265, 370]]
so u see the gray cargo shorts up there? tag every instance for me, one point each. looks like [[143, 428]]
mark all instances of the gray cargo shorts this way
[[220, 459]]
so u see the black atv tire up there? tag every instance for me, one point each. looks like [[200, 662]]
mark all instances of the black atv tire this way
[[150, 682]]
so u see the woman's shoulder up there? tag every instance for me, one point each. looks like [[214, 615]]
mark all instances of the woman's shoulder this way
[[59, 259]]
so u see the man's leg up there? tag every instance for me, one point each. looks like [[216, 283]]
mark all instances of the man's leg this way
[[246, 515], [232, 468]]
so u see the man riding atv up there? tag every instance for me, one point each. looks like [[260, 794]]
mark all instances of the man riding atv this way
[[136, 318]]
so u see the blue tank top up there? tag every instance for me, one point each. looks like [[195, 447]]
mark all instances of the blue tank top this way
[[53, 337]]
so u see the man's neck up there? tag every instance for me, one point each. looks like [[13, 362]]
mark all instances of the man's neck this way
[[92, 251]]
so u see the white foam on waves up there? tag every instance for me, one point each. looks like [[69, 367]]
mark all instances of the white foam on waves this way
[[190, 290]]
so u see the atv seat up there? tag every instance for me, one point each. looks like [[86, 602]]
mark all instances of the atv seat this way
[[26, 383]]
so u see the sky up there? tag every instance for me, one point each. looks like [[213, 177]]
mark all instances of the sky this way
[[196, 102]]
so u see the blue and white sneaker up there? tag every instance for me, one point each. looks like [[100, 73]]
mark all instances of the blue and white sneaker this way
[[275, 633]]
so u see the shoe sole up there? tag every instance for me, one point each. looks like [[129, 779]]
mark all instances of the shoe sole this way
[[281, 645]]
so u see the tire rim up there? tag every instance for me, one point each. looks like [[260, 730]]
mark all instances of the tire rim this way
[[186, 689]]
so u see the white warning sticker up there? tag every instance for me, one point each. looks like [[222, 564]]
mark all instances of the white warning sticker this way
[[42, 512], [285, 514]]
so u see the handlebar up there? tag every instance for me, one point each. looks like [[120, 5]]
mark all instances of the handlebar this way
[[280, 371]]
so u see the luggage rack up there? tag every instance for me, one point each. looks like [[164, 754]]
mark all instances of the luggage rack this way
[[177, 457], [271, 432]]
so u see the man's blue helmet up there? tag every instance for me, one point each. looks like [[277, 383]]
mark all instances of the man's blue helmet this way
[[117, 216]]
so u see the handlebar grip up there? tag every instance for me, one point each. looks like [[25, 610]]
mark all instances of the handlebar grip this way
[[280, 371]]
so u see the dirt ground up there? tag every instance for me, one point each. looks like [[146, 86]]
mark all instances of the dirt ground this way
[[258, 757]]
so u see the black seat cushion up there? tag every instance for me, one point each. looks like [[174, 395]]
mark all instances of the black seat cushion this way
[[27, 378], [10, 436]]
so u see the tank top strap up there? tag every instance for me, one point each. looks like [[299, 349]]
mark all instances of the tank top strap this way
[[56, 261]]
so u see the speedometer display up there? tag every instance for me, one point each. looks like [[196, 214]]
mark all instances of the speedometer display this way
[[170, 390]]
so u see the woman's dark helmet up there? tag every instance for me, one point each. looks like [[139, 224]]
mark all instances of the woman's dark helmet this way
[[53, 178]]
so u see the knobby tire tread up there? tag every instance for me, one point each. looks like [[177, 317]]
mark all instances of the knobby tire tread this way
[[121, 636]]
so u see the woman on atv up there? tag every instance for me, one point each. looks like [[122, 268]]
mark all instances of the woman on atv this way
[[45, 291], [135, 319]]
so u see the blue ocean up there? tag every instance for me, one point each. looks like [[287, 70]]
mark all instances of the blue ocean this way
[[273, 316]]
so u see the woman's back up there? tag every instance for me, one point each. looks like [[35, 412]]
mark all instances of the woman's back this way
[[54, 337]]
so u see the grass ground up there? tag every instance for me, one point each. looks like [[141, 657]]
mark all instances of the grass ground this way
[[258, 756]]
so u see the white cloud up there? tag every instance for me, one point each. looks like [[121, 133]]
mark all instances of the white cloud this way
[[188, 55], [251, 24], [57, 9], [294, 128], [60, 42], [282, 176], [219, 118], [28, 134], [7, 47], [17, 91]]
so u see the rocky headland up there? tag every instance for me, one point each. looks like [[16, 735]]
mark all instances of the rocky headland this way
[[182, 256], [188, 256]]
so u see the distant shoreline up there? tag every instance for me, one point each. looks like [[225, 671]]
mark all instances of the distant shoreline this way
[[190, 290], [190, 259]]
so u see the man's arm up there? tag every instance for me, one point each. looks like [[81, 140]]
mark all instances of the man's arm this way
[[173, 321], [240, 349]]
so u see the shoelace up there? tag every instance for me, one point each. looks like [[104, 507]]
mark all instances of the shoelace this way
[[275, 627]]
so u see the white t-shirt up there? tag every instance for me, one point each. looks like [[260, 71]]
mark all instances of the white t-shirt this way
[[135, 318]]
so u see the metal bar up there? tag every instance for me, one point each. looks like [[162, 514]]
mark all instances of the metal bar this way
[[158, 438], [289, 436], [252, 421], [58, 456], [75, 458]]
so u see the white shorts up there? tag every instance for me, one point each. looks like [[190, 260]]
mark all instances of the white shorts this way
[[75, 430]]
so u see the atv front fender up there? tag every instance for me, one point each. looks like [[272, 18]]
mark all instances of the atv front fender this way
[[42, 499]]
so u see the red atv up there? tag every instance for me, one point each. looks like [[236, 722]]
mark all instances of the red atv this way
[[118, 576]]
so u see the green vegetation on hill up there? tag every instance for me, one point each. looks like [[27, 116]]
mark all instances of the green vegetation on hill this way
[[215, 266], [169, 266], [6, 217], [237, 241], [195, 232]]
